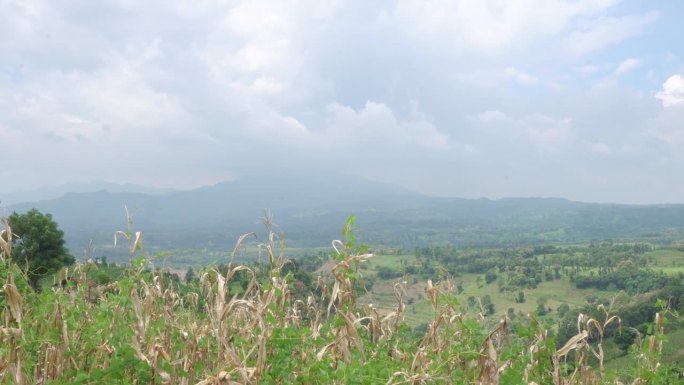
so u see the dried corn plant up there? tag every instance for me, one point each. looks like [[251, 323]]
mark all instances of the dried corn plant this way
[[144, 329], [5, 241]]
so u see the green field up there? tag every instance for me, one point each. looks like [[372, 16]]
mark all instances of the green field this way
[[382, 295], [668, 261], [553, 293]]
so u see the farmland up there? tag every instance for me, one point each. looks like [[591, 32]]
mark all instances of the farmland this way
[[437, 315]]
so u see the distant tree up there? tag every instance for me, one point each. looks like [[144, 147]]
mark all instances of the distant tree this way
[[510, 313], [521, 297], [541, 306], [548, 275], [38, 245], [472, 301], [490, 277], [385, 272], [102, 278], [488, 305], [189, 275], [563, 310], [625, 338], [102, 260]]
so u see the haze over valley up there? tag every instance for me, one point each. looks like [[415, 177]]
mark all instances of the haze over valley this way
[[310, 209]]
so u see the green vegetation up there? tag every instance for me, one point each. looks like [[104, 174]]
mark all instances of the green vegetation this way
[[198, 226], [38, 245], [554, 283], [275, 321]]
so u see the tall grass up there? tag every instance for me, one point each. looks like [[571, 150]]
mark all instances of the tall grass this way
[[143, 330]]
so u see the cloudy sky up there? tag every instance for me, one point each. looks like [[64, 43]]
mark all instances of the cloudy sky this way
[[579, 99]]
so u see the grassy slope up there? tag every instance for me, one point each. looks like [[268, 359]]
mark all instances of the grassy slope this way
[[673, 351], [667, 257], [556, 292]]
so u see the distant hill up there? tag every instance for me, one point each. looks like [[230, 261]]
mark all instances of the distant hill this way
[[311, 210], [217, 213], [52, 192]]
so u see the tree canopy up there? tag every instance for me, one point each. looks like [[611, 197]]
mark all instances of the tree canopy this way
[[39, 246]]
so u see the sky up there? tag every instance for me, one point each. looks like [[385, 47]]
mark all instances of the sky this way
[[468, 98]]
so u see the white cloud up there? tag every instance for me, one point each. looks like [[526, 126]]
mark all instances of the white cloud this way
[[592, 69], [673, 91], [167, 88], [493, 118], [605, 31], [267, 85], [600, 148], [115, 102], [375, 125], [494, 78], [489, 24], [520, 76], [543, 132], [668, 130], [628, 65], [546, 131]]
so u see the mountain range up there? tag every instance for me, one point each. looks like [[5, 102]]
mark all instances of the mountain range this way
[[312, 209], [52, 192]]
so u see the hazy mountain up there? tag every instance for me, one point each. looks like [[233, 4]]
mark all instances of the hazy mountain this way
[[191, 217], [312, 209], [52, 192]]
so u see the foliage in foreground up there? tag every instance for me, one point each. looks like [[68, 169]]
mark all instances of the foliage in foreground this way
[[39, 246], [143, 330]]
